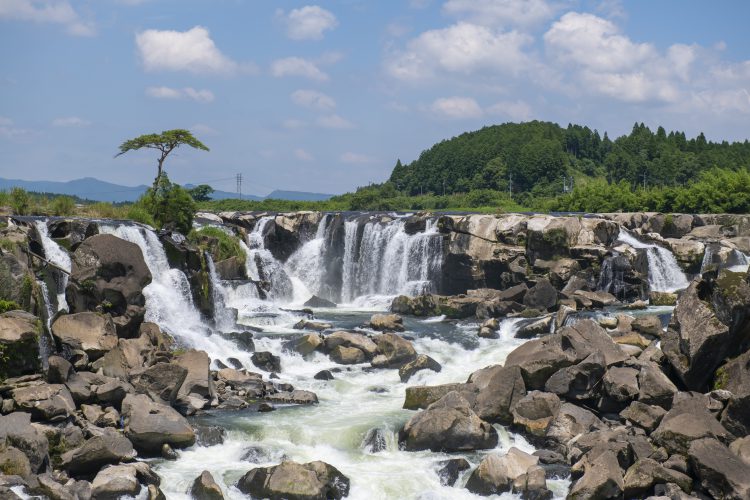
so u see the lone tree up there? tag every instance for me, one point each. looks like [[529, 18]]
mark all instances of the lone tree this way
[[166, 142]]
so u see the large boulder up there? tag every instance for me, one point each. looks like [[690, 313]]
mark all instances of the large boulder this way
[[294, 481], [709, 324], [45, 402], [645, 473], [150, 425], [116, 481], [498, 390], [571, 421], [198, 385], [108, 270], [387, 322], [538, 359], [205, 488], [720, 472], [734, 377], [495, 474], [350, 339], [161, 381], [535, 411], [19, 343], [110, 447], [420, 397], [17, 431], [602, 479], [422, 362], [90, 332], [448, 424], [688, 421], [393, 350], [542, 296]]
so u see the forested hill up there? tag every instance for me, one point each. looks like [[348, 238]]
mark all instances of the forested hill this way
[[541, 158]]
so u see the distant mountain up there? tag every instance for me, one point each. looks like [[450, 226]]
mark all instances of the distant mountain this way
[[93, 189]]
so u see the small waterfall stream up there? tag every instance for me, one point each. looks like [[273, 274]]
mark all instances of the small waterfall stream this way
[[664, 274], [58, 256]]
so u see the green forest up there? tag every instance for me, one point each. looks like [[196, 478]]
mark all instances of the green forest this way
[[540, 166]]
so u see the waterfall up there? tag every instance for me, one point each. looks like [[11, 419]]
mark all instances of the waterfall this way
[[58, 256], [46, 342], [388, 261], [612, 277], [308, 263], [224, 318], [731, 259], [664, 274], [262, 266], [169, 300]]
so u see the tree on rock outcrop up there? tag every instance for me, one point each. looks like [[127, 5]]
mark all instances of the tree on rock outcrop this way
[[165, 143]]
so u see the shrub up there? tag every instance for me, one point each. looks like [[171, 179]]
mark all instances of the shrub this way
[[20, 201], [63, 205], [221, 245], [169, 205]]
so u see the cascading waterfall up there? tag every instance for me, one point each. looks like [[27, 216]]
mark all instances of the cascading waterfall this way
[[169, 301], [733, 259], [58, 256], [45, 342], [263, 267], [224, 318], [389, 261], [664, 274], [308, 263]]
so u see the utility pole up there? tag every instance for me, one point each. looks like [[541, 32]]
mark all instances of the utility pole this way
[[239, 185]]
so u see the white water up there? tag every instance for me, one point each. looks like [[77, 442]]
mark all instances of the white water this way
[[308, 263], [730, 259], [58, 256], [350, 405], [664, 274], [262, 265], [169, 301], [223, 317], [388, 261]]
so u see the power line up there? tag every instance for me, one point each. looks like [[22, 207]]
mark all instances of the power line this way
[[239, 185]]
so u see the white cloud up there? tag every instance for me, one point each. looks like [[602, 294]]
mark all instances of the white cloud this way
[[456, 107], [183, 93], [308, 23], [515, 110], [303, 155], [191, 50], [296, 66], [8, 130], [462, 48], [70, 121], [334, 121], [47, 11], [355, 158], [313, 99], [503, 12]]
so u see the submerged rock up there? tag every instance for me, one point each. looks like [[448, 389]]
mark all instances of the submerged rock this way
[[496, 474], [422, 362], [387, 323], [205, 488], [449, 470]]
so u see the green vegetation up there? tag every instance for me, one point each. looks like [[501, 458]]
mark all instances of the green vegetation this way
[[19, 201], [201, 192], [168, 205], [221, 245], [8, 305]]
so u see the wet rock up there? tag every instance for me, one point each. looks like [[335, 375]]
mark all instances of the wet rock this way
[[387, 323], [167, 453], [347, 355], [349, 339], [450, 470], [374, 441], [90, 332], [205, 488], [45, 402], [420, 397], [19, 343], [449, 424], [110, 447], [720, 472], [687, 421], [597, 299], [209, 435], [316, 301], [495, 474], [394, 351], [323, 375], [422, 362], [535, 327], [150, 425], [422, 305], [115, 482], [297, 396], [532, 484], [265, 408], [294, 481], [266, 361], [649, 325], [645, 416], [535, 411], [498, 389], [198, 385], [541, 296], [304, 345], [304, 324], [160, 381]]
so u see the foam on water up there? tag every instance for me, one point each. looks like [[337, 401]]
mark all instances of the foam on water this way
[[58, 256], [664, 274]]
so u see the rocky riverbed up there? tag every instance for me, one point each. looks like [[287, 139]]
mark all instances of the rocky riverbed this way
[[377, 356]]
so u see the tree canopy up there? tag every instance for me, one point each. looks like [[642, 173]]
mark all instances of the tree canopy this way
[[165, 143]]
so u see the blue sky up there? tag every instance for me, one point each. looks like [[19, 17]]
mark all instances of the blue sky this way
[[325, 97]]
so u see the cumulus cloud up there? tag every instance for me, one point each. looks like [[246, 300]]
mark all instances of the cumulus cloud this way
[[70, 121], [456, 107], [297, 66], [303, 155], [193, 51], [181, 93], [334, 121], [355, 158], [49, 11], [463, 48], [307, 23], [313, 99], [503, 12]]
